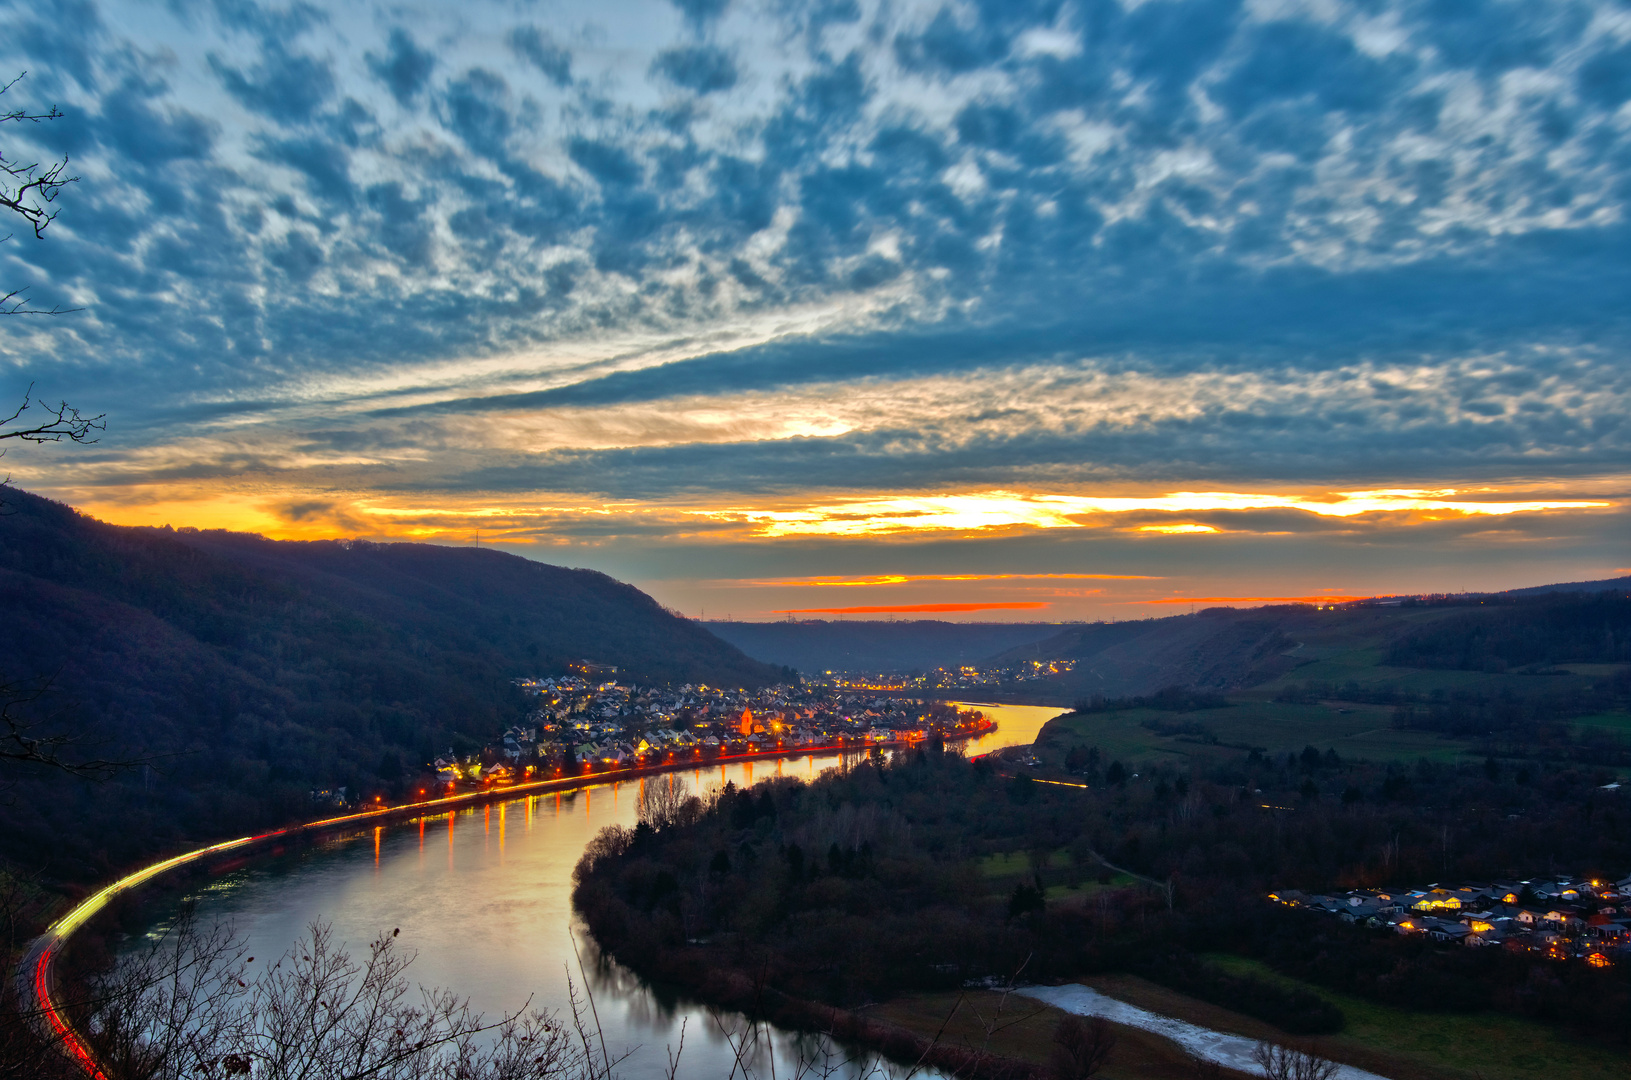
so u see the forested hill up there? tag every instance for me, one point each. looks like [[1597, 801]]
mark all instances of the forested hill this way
[[817, 645], [251, 671], [1224, 649]]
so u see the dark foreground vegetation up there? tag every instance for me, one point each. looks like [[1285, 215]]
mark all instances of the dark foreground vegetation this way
[[928, 872]]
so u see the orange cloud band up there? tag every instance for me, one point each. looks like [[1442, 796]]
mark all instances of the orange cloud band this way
[[910, 579], [884, 609], [1328, 599]]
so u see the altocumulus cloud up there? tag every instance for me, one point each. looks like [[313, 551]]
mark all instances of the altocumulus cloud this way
[[1409, 217]]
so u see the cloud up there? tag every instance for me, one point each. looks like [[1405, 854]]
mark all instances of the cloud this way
[[404, 67], [1323, 598], [920, 609], [912, 579], [977, 511], [699, 13], [1225, 247], [285, 88], [305, 509], [538, 48], [703, 69]]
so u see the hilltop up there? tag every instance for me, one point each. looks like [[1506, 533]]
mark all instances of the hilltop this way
[[817, 645], [249, 671], [1225, 649]]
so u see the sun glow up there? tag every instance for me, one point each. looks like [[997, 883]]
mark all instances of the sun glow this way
[[991, 510], [923, 609], [910, 579], [294, 513]]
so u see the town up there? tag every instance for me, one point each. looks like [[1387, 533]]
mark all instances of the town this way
[[1587, 921], [587, 722], [963, 679]]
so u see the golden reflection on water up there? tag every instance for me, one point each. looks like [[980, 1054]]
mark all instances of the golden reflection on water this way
[[497, 923]]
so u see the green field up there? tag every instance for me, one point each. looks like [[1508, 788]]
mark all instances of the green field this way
[[1345, 654], [1018, 863], [1361, 666], [1617, 722], [1362, 732], [1489, 1045]]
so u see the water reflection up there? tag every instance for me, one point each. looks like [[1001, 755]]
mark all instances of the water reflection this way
[[493, 921]]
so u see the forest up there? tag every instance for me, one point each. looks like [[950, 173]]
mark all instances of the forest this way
[[922, 873], [234, 674]]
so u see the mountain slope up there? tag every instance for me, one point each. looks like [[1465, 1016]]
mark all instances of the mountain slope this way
[[250, 671], [1222, 649], [817, 645]]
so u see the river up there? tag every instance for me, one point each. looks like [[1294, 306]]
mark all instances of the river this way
[[484, 898]]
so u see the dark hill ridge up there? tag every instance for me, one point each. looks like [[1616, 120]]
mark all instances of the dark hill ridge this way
[[1219, 649], [1606, 585], [257, 669], [873, 645], [1222, 649], [1216, 649]]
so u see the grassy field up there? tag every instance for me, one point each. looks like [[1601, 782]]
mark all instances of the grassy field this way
[[1353, 730], [1016, 864], [1361, 663], [1617, 722], [1454, 1046], [1363, 732]]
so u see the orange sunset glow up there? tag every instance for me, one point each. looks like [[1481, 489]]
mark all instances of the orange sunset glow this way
[[1091, 378], [779, 493], [568, 529]]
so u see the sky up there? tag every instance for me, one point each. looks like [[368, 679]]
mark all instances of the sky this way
[[1058, 310]]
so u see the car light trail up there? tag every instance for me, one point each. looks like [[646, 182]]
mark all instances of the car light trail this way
[[34, 974]]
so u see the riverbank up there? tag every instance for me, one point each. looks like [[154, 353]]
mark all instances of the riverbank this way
[[36, 975]]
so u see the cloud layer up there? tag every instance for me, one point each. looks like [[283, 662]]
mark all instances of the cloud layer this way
[[718, 255]]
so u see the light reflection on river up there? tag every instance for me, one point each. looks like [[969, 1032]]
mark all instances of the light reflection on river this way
[[484, 896]]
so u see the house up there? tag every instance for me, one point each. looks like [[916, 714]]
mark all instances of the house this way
[[1448, 931]]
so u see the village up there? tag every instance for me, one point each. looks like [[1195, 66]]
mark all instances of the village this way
[[1586, 921], [965, 678], [589, 722]]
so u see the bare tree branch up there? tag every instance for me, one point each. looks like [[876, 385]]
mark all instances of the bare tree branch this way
[[1291, 1063], [190, 1008], [25, 741], [29, 190], [57, 423]]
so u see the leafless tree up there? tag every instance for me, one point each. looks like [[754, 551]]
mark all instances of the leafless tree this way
[[24, 1052], [665, 800], [1291, 1063], [53, 423], [1081, 1047], [30, 191], [190, 1007], [26, 738]]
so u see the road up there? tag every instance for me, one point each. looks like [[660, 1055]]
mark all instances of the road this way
[[36, 977]]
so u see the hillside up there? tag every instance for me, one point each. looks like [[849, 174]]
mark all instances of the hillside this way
[[817, 645], [250, 671], [1226, 649]]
